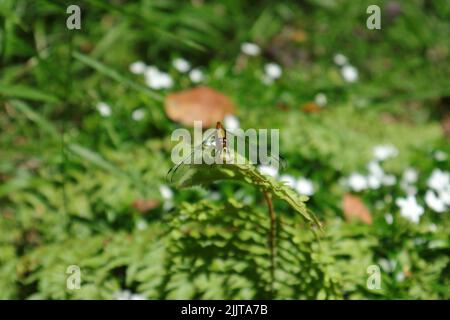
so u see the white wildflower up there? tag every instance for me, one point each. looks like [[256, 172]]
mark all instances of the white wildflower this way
[[408, 188], [340, 59], [439, 180], [273, 70], [375, 169], [440, 155], [377, 176], [400, 277], [166, 192], [165, 81], [383, 152], [157, 79], [349, 73], [231, 122], [304, 187], [268, 170], [196, 75], [320, 99], [138, 114], [389, 218], [373, 181], [409, 208], [122, 295], [357, 182], [288, 179], [444, 195], [128, 295], [434, 202], [137, 67], [168, 205], [141, 224], [250, 49], [410, 175], [388, 180], [104, 109], [181, 65], [150, 71], [167, 195]]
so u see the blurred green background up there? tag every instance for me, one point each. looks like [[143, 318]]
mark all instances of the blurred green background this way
[[85, 148]]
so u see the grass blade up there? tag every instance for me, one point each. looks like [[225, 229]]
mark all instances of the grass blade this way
[[113, 74], [24, 92], [35, 117]]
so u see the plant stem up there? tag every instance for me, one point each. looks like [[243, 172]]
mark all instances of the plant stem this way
[[268, 197]]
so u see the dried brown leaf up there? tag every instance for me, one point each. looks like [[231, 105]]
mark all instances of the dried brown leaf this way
[[198, 104], [144, 205], [311, 107], [355, 209]]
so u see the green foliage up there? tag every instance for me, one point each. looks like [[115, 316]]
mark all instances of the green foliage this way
[[220, 251], [107, 263], [245, 173], [416, 259], [329, 135]]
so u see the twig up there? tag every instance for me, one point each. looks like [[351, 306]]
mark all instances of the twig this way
[[268, 198]]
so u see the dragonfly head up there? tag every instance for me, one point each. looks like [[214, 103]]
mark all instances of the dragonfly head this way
[[219, 125]]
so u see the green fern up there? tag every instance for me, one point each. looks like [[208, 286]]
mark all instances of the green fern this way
[[218, 250], [203, 175], [238, 231]]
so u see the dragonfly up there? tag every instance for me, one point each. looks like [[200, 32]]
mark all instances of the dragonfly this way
[[217, 143]]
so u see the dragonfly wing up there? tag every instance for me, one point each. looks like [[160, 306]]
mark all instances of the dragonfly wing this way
[[173, 170], [171, 173], [278, 159]]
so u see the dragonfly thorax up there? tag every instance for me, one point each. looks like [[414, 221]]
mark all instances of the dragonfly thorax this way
[[221, 137]]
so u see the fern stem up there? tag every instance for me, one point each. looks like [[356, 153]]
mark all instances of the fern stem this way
[[268, 198]]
